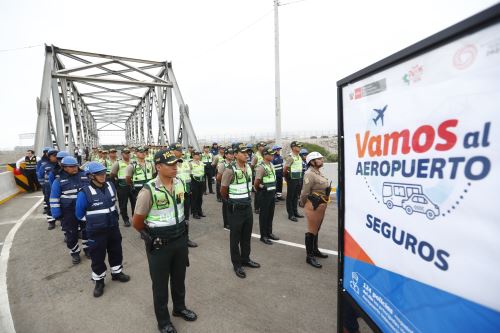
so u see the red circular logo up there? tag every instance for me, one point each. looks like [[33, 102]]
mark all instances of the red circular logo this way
[[465, 56]]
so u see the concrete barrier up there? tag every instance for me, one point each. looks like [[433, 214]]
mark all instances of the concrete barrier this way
[[8, 187]]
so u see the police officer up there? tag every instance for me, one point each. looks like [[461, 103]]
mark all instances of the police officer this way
[[217, 159], [40, 170], [43, 173], [96, 203], [159, 217], [197, 185], [112, 160], [138, 173], [206, 159], [30, 163], [250, 153], [278, 167], [314, 198], [293, 176], [184, 173], [257, 159], [265, 184], [63, 201], [303, 154], [188, 155], [123, 189], [223, 165], [236, 188]]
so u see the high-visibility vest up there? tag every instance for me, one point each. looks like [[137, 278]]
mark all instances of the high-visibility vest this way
[[187, 157], [198, 171], [259, 157], [142, 175], [101, 207], [269, 179], [296, 167], [206, 158], [167, 210], [30, 163], [122, 166], [240, 189], [184, 172]]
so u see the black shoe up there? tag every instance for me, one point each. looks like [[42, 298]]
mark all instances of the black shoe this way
[[202, 215], [316, 251], [126, 223], [191, 243], [99, 288], [240, 272], [266, 240], [186, 314], [120, 277], [75, 258], [251, 263], [280, 199], [168, 329], [211, 192], [52, 225], [205, 193], [310, 259], [273, 237], [196, 216], [293, 218], [298, 215]]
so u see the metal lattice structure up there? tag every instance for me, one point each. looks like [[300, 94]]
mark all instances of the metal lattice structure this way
[[93, 93]]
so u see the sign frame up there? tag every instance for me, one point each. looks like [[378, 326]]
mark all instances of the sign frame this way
[[470, 25]]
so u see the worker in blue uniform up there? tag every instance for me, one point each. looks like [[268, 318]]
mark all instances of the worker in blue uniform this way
[[96, 203], [63, 202], [278, 167], [44, 172], [40, 165], [303, 154]]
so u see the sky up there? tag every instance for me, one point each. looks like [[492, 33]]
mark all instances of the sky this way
[[222, 52]]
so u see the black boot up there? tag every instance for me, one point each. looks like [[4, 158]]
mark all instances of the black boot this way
[[316, 251], [75, 258], [99, 288], [310, 259], [122, 277]]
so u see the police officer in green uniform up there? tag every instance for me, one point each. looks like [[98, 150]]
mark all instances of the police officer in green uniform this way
[[184, 174], [123, 189], [265, 185], [139, 172], [293, 176], [206, 158], [197, 185], [236, 188], [257, 159], [223, 165], [159, 217]]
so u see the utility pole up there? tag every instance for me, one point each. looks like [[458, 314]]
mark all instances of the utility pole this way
[[277, 75]]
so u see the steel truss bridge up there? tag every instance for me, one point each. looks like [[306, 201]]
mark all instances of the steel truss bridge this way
[[94, 93]]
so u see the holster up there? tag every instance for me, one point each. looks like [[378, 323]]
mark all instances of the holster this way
[[315, 200], [148, 240]]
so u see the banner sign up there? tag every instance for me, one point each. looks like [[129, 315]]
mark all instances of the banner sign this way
[[422, 189]]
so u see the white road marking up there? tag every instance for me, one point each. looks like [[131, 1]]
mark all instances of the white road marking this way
[[6, 322], [32, 196], [332, 252], [8, 222]]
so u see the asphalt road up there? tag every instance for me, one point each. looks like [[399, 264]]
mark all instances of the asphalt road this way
[[49, 294]]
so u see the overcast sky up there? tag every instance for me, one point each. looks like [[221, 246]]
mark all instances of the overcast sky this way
[[222, 52]]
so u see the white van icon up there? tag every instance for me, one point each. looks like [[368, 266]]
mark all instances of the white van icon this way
[[410, 197]]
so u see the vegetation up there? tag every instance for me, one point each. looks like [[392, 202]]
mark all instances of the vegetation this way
[[329, 157]]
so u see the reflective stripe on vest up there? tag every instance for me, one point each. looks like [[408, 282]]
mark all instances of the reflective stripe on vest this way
[[30, 162], [206, 158], [269, 178], [240, 188], [167, 209], [198, 171], [296, 167], [101, 211]]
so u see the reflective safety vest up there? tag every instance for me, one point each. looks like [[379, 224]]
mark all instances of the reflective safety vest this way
[[187, 156], [296, 167], [240, 189], [70, 185], [198, 171], [259, 157], [122, 165], [278, 163], [109, 166], [167, 210], [184, 172], [30, 163], [206, 158], [269, 179], [142, 174], [101, 207]]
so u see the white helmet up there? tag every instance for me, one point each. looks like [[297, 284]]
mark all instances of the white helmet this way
[[312, 156]]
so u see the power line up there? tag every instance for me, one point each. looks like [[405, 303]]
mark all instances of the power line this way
[[290, 3], [245, 28], [21, 48]]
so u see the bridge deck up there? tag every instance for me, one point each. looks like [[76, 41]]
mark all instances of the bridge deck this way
[[49, 294]]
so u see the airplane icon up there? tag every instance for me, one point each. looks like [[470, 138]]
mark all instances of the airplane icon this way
[[380, 115]]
